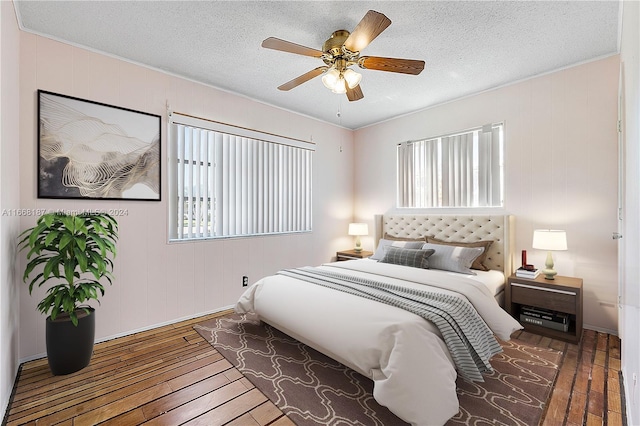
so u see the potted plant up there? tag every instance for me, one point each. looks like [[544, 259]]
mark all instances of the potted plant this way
[[72, 253]]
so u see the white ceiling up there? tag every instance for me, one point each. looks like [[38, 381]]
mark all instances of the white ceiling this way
[[468, 47]]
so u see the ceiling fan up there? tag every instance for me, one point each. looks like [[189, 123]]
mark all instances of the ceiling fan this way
[[341, 51]]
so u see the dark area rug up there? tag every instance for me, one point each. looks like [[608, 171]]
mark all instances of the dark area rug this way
[[313, 389]]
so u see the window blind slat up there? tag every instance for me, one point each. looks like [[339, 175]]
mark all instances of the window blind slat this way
[[180, 179], [496, 172], [261, 188], [296, 191], [249, 195], [286, 189], [189, 180], [197, 187], [277, 189], [296, 180], [219, 182], [271, 169], [241, 217], [227, 186], [210, 202]]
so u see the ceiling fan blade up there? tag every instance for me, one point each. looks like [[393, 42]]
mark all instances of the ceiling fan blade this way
[[405, 66], [287, 46], [354, 94], [367, 29], [303, 78]]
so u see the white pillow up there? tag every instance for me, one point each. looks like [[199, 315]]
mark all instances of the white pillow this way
[[453, 258], [383, 244]]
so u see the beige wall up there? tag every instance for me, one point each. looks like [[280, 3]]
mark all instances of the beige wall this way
[[157, 282], [9, 197], [560, 168]]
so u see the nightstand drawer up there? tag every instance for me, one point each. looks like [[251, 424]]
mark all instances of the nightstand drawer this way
[[549, 298]]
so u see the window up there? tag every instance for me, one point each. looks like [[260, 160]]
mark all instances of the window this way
[[464, 169], [227, 181]]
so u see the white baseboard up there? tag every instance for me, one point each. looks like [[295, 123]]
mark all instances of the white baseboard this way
[[600, 329]]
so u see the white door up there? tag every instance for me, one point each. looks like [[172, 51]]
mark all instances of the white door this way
[[621, 188]]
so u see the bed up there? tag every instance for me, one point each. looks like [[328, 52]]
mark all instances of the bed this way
[[411, 360]]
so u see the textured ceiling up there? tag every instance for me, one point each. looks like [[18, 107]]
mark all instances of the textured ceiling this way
[[468, 47]]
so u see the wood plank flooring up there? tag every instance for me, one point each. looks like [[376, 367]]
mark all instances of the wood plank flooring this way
[[171, 376], [588, 386]]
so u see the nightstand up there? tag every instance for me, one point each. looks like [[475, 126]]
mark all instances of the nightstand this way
[[562, 295], [352, 254]]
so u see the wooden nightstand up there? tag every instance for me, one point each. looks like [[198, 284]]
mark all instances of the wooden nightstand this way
[[352, 254], [563, 295]]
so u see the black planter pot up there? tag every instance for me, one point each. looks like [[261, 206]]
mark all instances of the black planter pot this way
[[69, 348]]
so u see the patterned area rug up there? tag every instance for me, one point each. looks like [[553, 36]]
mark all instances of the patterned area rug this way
[[515, 393], [313, 389]]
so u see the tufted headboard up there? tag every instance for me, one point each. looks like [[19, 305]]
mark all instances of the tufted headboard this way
[[464, 228]]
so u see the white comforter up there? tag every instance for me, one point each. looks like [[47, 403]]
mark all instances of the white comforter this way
[[404, 354]]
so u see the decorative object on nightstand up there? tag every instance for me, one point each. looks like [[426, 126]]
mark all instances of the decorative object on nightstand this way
[[358, 229], [527, 273], [549, 239], [526, 270]]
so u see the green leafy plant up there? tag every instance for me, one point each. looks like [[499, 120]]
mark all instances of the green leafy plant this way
[[73, 252]]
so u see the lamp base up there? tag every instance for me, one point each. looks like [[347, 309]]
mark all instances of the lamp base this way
[[358, 247], [549, 272]]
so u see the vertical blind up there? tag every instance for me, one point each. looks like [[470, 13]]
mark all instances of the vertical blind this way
[[228, 185], [458, 170]]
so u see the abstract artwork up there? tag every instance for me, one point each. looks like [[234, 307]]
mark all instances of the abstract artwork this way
[[96, 151]]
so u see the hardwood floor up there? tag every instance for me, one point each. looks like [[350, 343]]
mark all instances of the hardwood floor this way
[[588, 386], [171, 376]]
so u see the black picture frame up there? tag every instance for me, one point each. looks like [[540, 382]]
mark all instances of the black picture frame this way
[[92, 150]]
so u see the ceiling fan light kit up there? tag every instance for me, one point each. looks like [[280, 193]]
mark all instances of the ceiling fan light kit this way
[[338, 81], [341, 51]]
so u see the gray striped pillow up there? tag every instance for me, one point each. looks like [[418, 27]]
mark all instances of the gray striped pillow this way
[[383, 245], [453, 258], [415, 258]]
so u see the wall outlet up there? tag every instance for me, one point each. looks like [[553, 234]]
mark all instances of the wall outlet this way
[[245, 281]]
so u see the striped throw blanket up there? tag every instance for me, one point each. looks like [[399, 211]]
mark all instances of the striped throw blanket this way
[[469, 339]]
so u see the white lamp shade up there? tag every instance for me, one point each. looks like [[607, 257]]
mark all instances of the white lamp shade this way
[[352, 78], [340, 86], [358, 229], [549, 239], [330, 78]]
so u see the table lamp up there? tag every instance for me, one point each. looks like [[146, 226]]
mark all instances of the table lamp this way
[[358, 229], [549, 239]]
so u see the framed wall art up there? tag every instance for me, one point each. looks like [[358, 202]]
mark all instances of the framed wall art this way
[[93, 150]]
